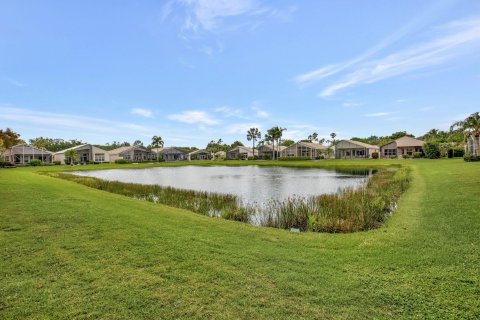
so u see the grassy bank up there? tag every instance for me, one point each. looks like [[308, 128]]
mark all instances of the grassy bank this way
[[205, 203], [68, 251]]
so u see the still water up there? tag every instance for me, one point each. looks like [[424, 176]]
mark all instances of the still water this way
[[252, 184]]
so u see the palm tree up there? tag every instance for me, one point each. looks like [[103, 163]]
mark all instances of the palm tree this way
[[313, 137], [275, 134], [157, 142], [252, 135], [321, 141], [471, 128], [333, 135], [269, 138], [72, 154]]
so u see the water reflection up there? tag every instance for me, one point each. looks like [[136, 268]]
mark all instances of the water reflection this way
[[252, 184]]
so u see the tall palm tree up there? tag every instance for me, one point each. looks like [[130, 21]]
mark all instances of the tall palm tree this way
[[269, 138], [471, 128], [313, 137], [157, 142], [276, 134], [321, 141], [252, 135], [333, 135]]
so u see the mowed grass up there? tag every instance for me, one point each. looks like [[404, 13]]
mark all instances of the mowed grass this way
[[69, 251]]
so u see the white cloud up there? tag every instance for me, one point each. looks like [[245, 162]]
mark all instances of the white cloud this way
[[349, 104], [142, 112], [241, 128], [192, 117], [230, 112], [204, 20], [208, 14], [72, 122], [378, 114], [262, 114], [416, 23], [14, 82], [259, 112], [459, 38]]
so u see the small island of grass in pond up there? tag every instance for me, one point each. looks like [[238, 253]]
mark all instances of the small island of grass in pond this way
[[307, 199]]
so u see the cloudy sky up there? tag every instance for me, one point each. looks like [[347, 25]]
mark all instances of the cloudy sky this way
[[196, 70]]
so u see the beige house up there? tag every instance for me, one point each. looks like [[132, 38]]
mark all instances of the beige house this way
[[265, 152], [240, 153], [85, 154], [171, 154], [132, 153], [220, 155], [404, 145], [23, 153], [349, 149], [304, 149], [202, 154]]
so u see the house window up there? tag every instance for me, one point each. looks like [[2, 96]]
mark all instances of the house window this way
[[126, 157], [390, 152], [99, 157], [360, 152]]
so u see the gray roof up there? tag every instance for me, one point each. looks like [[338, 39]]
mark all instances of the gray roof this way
[[127, 148], [365, 145], [26, 148], [312, 145], [169, 150], [409, 142], [269, 146], [200, 151], [73, 148]]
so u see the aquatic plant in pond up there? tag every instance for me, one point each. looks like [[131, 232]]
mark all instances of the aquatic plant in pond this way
[[349, 210]]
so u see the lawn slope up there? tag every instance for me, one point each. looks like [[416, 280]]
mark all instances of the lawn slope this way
[[68, 251]]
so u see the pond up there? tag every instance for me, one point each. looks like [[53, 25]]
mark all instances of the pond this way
[[252, 184]]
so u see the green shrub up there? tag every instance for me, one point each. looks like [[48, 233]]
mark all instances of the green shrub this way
[[456, 152], [299, 158], [6, 164], [405, 156], [431, 150], [57, 163], [35, 162], [122, 161], [375, 155], [393, 157], [417, 155], [468, 157]]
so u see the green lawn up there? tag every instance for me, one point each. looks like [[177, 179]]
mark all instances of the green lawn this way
[[68, 251]]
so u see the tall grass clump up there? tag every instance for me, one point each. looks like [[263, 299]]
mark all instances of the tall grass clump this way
[[206, 203], [349, 210]]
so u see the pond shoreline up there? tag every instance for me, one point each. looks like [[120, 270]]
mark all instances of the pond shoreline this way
[[348, 211]]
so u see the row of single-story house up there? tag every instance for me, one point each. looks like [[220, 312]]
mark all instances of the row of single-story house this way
[[349, 149], [344, 149]]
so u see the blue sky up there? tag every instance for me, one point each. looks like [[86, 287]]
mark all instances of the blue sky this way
[[192, 71]]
